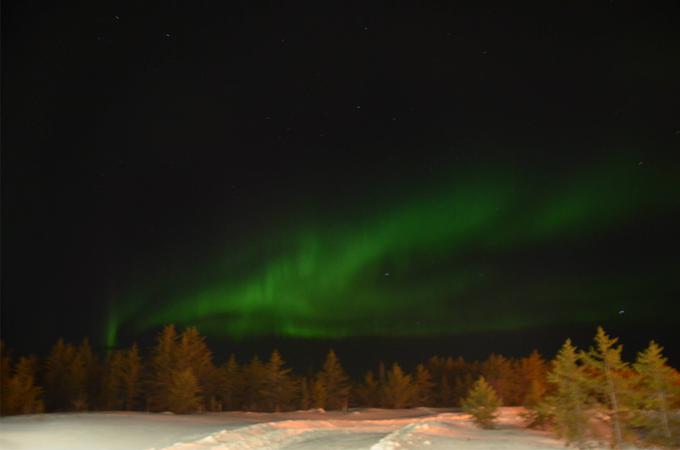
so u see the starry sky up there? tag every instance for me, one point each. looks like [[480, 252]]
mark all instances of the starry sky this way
[[351, 173]]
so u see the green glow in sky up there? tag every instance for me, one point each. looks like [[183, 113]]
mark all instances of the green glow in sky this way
[[452, 257]]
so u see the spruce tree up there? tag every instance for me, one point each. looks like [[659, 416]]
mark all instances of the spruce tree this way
[[532, 371], [423, 386], [368, 392], [277, 388], [23, 396], [606, 375], [163, 366], [658, 389], [482, 403], [5, 374], [131, 372], [399, 390], [230, 385], [333, 383], [568, 406], [193, 352], [184, 392], [498, 372], [61, 387]]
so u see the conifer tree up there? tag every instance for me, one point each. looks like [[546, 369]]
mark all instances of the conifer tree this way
[[230, 384], [163, 366], [606, 369], [22, 396], [482, 403], [399, 390], [532, 371], [61, 386], [568, 406], [130, 377], [498, 372], [333, 384], [111, 394], [184, 392], [277, 385], [423, 386], [445, 392], [254, 377], [193, 353], [658, 388], [5, 373], [305, 395], [368, 392]]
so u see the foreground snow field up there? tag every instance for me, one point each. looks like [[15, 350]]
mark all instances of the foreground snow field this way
[[373, 429]]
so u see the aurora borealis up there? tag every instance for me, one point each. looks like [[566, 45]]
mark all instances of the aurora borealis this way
[[292, 172], [439, 262]]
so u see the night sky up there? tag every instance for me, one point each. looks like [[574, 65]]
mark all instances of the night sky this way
[[449, 172]]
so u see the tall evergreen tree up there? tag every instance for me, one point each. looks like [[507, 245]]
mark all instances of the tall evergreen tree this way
[[61, 386], [230, 384], [497, 370], [277, 388], [369, 392], [658, 389], [532, 371], [193, 353], [569, 404], [423, 386], [22, 395], [333, 384], [606, 375], [399, 389], [184, 392], [254, 379], [130, 377], [5, 374], [482, 403], [163, 366]]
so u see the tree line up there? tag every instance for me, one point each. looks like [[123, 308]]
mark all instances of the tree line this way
[[178, 373], [574, 394]]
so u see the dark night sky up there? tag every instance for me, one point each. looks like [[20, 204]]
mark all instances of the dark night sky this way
[[355, 173]]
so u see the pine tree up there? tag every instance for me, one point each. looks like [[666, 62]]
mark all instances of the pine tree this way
[[131, 371], [193, 353], [498, 372], [369, 392], [22, 394], [305, 395], [5, 374], [423, 386], [230, 384], [334, 384], [61, 386], [399, 389], [277, 386], [482, 403], [568, 406], [605, 369], [658, 388], [532, 370], [254, 378], [184, 392], [163, 366]]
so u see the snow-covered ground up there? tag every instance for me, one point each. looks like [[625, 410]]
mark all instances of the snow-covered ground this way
[[374, 429]]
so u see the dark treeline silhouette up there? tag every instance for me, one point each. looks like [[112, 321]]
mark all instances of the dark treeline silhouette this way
[[178, 374]]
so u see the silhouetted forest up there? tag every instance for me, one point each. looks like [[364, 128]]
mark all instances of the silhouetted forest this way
[[568, 394]]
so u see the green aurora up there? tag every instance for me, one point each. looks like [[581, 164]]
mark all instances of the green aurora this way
[[462, 254]]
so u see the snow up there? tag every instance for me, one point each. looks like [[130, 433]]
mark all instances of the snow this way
[[374, 429]]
